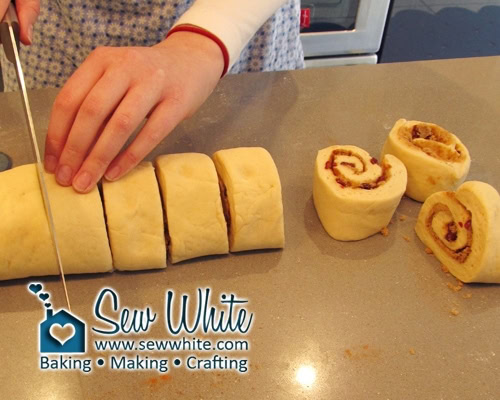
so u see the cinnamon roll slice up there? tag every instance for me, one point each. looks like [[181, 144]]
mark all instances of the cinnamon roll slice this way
[[462, 229], [355, 196], [26, 247], [251, 190], [435, 159], [135, 220], [192, 203]]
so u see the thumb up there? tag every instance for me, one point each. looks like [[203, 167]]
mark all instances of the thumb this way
[[27, 13]]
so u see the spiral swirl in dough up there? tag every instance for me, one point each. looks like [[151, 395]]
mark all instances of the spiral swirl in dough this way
[[462, 229], [435, 159], [354, 195]]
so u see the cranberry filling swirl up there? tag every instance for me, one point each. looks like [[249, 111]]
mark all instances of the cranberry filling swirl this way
[[451, 228], [354, 195], [434, 141], [356, 170], [462, 229], [436, 160]]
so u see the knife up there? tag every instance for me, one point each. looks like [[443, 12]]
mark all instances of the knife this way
[[9, 38]]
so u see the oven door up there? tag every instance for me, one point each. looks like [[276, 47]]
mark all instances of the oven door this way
[[342, 27]]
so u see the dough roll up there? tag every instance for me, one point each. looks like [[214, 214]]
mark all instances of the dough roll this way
[[354, 196], [193, 206], [252, 194], [135, 220], [462, 229], [26, 247], [435, 159]]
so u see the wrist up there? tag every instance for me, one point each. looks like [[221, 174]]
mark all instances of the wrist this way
[[206, 41], [196, 61]]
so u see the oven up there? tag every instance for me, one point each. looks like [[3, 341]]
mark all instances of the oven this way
[[342, 32]]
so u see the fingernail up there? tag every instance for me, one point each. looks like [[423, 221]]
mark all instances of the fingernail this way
[[64, 175], [82, 182], [30, 33], [50, 164], [113, 173]]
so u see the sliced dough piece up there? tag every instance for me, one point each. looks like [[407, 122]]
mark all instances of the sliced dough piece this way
[[25, 243], [80, 228], [435, 159], [26, 246], [463, 231], [354, 196], [252, 194], [135, 220], [193, 206]]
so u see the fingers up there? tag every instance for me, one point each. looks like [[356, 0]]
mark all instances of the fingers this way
[[27, 13], [67, 104], [101, 102], [129, 114], [4, 4], [162, 121], [122, 85]]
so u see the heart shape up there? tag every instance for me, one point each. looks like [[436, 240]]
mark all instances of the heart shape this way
[[62, 333], [44, 296], [47, 305], [35, 287]]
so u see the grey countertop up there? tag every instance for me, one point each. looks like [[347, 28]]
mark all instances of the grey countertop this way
[[349, 314]]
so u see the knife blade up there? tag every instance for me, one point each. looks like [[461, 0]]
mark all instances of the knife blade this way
[[9, 38]]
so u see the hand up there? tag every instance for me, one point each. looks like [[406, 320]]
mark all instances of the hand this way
[[27, 13], [112, 92]]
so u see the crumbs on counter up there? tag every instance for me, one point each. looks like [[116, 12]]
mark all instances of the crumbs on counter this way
[[364, 352], [456, 288], [156, 383], [156, 380], [406, 238], [445, 269], [385, 231], [467, 295], [454, 312], [153, 381], [428, 251], [412, 351], [403, 217]]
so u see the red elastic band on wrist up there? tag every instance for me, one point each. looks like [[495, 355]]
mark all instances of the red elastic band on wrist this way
[[210, 35]]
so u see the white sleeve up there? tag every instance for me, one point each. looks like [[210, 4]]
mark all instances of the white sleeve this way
[[234, 22]]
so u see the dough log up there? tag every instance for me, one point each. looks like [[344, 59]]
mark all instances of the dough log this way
[[26, 247], [252, 194], [435, 159], [462, 229], [193, 206], [354, 196], [135, 220]]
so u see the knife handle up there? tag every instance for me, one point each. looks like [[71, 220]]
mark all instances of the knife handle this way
[[8, 22]]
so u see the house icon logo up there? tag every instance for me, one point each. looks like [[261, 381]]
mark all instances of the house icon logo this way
[[60, 332]]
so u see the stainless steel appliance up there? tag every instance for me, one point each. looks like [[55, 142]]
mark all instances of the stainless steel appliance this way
[[342, 32]]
